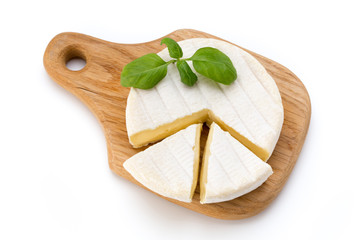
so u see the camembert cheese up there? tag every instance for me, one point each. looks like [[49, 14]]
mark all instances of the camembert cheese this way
[[170, 167], [229, 170], [250, 109]]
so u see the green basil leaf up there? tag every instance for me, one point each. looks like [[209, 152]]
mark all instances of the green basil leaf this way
[[214, 64], [144, 72], [175, 50], [186, 74]]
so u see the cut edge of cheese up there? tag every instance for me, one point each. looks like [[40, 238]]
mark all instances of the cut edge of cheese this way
[[196, 159], [204, 164], [259, 175], [146, 166], [148, 136], [257, 150], [143, 138]]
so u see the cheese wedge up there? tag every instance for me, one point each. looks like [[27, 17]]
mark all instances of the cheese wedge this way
[[170, 167], [229, 170], [250, 109]]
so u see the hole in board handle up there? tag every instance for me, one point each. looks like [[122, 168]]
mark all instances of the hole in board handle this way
[[75, 63], [74, 57]]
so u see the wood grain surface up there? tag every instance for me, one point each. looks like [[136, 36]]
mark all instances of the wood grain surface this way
[[98, 86]]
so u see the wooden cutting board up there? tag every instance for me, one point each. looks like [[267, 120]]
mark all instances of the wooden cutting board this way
[[98, 86]]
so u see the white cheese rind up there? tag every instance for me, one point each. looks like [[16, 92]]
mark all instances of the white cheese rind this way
[[167, 167], [232, 170], [251, 105]]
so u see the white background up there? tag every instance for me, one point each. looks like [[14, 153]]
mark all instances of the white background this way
[[54, 178]]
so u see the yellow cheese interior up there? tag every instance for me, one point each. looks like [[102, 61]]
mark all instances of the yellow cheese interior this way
[[152, 135], [196, 159], [258, 151], [204, 165]]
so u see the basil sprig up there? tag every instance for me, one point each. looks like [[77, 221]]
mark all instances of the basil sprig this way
[[148, 70]]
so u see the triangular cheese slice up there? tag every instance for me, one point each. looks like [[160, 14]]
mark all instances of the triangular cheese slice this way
[[229, 169], [170, 167], [250, 108]]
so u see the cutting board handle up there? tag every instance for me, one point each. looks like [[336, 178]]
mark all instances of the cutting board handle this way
[[102, 68], [59, 51]]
